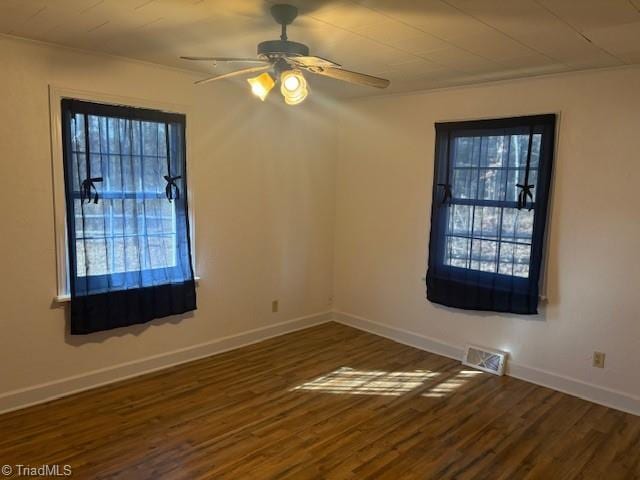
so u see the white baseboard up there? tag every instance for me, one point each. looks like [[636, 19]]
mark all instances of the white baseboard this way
[[401, 336], [615, 399], [587, 391], [45, 392]]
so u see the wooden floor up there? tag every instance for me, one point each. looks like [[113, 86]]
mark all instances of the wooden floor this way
[[326, 402]]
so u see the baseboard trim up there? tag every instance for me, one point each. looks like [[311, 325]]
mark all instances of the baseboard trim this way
[[607, 397], [45, 392], [399, 335], [593, 393]]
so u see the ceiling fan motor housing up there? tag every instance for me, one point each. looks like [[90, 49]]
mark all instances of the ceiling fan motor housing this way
[[280, 48]]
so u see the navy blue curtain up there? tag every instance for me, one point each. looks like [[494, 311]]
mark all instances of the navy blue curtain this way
[[127, 215], [489, 211]]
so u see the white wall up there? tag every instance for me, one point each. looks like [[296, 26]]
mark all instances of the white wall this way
[[263, 182], [269, 197], [384, 183]]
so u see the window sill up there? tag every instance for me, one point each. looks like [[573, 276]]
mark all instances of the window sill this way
[[67, 298]]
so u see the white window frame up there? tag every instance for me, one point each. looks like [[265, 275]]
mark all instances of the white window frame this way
[[56, 94]]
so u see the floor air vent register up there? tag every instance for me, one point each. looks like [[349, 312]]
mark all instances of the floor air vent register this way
[[485, 359]]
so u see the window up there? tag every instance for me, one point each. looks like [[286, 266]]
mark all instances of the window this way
[[127, 217], [491, 186]]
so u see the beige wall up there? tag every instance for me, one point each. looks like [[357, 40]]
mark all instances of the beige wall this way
[[263, 183], [384, 182], [272, 185]]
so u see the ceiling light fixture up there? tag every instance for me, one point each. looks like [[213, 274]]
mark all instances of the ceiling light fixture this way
[[289, 58], [293, 87], [261, 85]]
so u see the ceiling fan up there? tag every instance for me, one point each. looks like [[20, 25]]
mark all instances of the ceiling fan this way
[[283, 60]]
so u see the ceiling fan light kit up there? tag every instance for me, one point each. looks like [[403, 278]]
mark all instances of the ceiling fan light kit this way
[[293, 87], [284, 61], [262, 85]]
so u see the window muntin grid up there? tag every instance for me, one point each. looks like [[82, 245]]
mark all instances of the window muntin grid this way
[[485, 231], [133, 226]]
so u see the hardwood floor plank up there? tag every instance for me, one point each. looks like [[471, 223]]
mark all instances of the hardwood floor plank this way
[[326, 402]]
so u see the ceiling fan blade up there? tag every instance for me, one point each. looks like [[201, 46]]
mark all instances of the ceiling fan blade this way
[[225, 59], [312, 62], [244, 71], [351, 77]]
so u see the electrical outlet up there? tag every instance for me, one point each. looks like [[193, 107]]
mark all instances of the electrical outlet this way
[[598, 359], [274, 306]]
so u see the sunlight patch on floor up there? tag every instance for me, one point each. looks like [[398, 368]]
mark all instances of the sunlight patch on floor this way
[[347, 380], [450, 385]]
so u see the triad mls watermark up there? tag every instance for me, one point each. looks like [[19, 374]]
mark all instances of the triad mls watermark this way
[[45, 470]]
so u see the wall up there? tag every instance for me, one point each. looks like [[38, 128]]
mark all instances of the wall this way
[[384, 183], [262, 178], [265, 193]]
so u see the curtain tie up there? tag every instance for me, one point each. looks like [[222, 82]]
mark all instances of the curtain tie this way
[[87, 187], [524, 193], [524, 186], [171, 186], [447, 195]]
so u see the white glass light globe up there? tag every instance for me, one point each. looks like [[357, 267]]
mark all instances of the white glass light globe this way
[[291, 83]]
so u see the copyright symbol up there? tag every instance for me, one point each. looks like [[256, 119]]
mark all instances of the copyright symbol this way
[[6, 470]]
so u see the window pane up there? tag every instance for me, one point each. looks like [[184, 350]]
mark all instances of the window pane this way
[[121, 254], [151, 137], [465, 152], [535, 151], [514, 259], [80, 170], [135, 259], [491, 184], [77, 133], [96, 166], [484, 255], [135, 133], [159, 216], [114, 180], [519, 149], [465, 183], [460, 220], [515, 178], [457, 251], [517, 225], [495, 153], [486, 222], [489, 239], [161, 251], [95, 254], [153, 171], [94, 133], [522, 255], [506, 258], [93, 223]]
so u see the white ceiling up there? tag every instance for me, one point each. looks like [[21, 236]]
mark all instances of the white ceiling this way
[[417, 44]]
